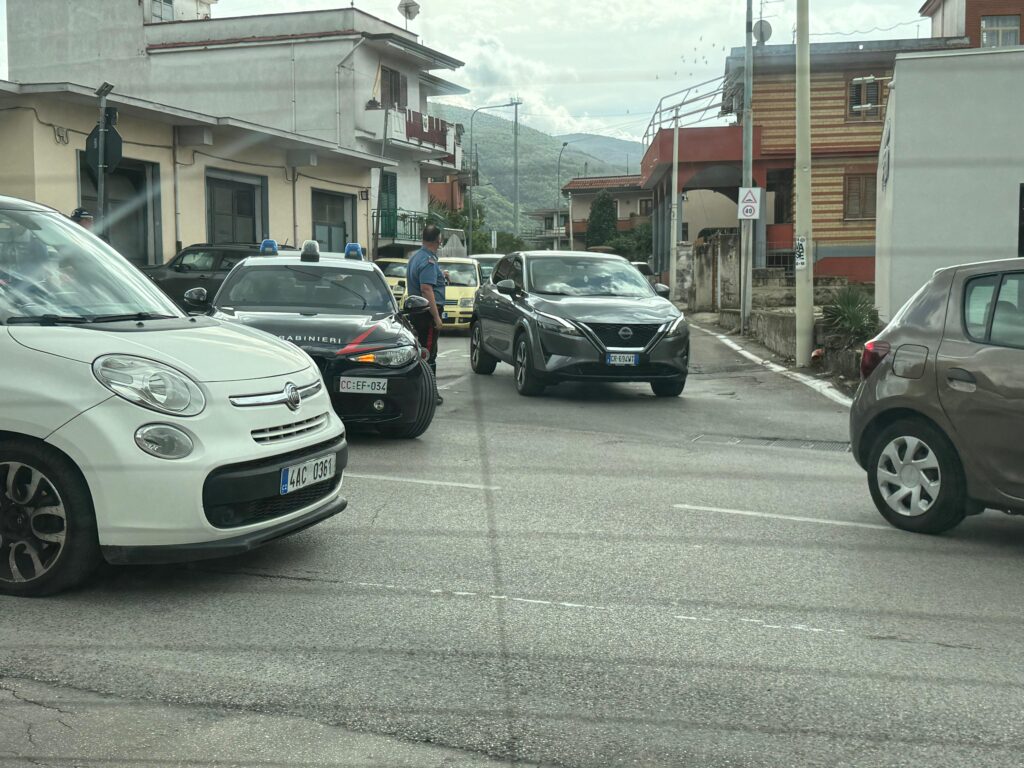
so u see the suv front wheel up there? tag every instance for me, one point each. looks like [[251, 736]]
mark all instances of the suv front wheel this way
[[916, 479]]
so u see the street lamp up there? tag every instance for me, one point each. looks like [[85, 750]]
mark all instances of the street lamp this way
[[558, 191], [472, 159]]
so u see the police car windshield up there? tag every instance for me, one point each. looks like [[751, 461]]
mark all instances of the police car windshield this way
[[53, 271], [306, 287]]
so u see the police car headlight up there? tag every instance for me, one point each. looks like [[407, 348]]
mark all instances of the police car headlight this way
[[395, 357], [557, 325], [150, 384], [676, 327], [466, 302]]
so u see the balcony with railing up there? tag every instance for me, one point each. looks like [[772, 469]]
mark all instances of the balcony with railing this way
[[437, 139], [400, 224]]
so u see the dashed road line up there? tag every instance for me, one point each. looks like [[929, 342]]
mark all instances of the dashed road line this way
[[445, 483], [789, 518]]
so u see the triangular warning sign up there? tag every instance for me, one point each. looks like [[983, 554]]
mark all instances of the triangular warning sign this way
[[750, 197]]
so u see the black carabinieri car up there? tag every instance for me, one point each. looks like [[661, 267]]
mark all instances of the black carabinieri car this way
[[342, 313]]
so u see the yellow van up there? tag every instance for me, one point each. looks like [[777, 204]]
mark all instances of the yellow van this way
[[394, 270], [463, 277]]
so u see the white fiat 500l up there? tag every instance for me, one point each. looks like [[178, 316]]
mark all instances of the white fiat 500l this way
[[132, 432]]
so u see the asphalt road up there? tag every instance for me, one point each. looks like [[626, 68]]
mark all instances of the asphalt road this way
[[592, 578]]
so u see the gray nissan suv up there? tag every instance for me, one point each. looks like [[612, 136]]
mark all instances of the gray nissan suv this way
[[570, 316], [938, 420]]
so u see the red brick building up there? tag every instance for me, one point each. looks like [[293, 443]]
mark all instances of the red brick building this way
[[985, 23]]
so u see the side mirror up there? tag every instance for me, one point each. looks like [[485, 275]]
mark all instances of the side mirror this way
[[506, 287], [197, 297], [415, 305], [662, 290]]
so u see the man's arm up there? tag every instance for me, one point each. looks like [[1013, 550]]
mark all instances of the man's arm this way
[[428, 293]]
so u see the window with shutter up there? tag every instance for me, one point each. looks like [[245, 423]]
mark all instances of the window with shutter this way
[[859, 196], [860, 95]]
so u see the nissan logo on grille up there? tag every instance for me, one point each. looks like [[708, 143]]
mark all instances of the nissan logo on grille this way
[[292, 397], [625, 333]]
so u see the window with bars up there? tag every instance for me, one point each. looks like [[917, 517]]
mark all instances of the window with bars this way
[[1000, 31], [394, 89], [859, 196], [863, 100]]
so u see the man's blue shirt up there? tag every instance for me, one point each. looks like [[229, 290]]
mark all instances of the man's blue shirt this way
[[424, 270]]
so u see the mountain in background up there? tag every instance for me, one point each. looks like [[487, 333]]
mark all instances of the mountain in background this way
[[617, 152], [538, 164]]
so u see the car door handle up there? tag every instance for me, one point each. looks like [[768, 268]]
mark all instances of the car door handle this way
[[959, 374]]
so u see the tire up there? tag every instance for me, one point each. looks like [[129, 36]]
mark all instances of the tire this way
[[42, 554], [527, 382], [425, 408], [669, 387], [916, 478], [480, 360]]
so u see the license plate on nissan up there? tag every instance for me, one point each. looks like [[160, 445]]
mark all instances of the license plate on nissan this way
[[308, 473], [622, 359]]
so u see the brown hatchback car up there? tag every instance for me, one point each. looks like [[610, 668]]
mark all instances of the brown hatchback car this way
[[938, 420]]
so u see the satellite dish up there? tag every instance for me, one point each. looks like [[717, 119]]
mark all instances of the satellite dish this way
[[409, 8], [762, 31]]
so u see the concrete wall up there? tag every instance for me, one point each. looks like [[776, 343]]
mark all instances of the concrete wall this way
[[775, 329], [17, 158], [954, 184]]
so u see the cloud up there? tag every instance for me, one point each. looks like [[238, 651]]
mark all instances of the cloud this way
[[600, 65]]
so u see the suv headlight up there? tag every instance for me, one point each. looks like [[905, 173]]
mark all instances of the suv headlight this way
[[466, 302], [150, 384], [557, 324], [395, 357], [677, 326]]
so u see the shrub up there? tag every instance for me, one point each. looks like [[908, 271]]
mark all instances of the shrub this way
[[851, 318]]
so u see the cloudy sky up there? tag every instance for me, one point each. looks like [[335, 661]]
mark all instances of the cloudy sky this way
[[597, 65]]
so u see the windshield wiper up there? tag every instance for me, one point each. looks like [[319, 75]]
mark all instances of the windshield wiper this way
[[131, 316], [49, 319]]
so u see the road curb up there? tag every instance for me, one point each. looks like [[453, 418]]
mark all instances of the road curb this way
[[819, 386]]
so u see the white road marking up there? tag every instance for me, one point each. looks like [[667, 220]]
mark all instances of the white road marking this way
[[452, 383], [447, 352], [791, 518], [443, 483], [819, 386]]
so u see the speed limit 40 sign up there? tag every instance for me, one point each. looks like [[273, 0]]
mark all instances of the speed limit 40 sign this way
[[749, 203]]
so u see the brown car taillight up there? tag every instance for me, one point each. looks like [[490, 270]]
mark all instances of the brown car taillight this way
[[874, 353]]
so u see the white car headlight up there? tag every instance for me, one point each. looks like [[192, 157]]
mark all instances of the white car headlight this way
[[466, 302], [150, 384], [677, 326], [557, 324], [395, 357]]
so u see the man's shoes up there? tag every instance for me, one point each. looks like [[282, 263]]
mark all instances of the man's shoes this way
[[440, 400]]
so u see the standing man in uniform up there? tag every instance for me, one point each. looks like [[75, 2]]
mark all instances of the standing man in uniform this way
[[424, 278]]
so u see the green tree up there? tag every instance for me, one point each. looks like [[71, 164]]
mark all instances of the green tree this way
[[507, 243], [601, 224], [635, 244]]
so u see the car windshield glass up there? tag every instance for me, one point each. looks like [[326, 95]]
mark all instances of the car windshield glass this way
[[305, 287], [581, 276], [394, 268], [52, 268], [463, 275]]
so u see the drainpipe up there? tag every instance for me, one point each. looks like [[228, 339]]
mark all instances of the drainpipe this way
[[337, 88], [295, 206], [295, 123]]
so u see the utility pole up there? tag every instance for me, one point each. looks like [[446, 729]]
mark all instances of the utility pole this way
[[673, 243], [101, 177], [804, 245], [558, 194], [571, 244], [516, 101], [747, 232]]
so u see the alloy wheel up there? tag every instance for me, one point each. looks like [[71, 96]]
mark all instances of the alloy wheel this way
[[908, 476], [474, 346], [520, 371], [33, 523]]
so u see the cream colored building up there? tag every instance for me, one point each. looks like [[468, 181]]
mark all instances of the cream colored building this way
[[186, 177]]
